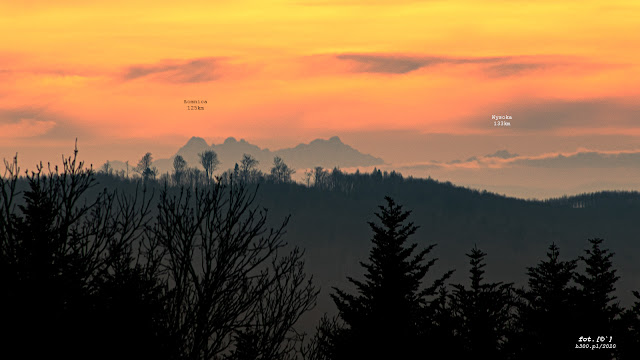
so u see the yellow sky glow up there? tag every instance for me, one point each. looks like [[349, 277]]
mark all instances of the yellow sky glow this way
[[121, 69]]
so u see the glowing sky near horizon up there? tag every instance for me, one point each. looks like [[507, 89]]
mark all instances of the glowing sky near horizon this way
[[283, 72]]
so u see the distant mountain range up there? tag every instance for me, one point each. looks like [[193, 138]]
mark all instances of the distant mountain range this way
[[326, 153]]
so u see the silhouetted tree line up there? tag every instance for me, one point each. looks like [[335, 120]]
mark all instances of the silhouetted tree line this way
[[198, 274], [202, 276], [397, 314], [620, 199], [335, 179], [247, 171], [183, 174]]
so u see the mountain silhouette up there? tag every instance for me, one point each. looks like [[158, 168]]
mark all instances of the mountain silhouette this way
[[326, 153]]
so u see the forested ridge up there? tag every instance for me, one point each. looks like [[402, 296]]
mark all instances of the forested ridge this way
[[477, 274]]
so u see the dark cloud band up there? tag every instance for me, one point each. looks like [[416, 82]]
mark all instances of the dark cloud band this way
[[192, 71]]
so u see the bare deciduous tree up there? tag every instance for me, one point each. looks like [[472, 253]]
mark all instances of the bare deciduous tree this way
[[106, 168], [69, 270], [247, 167], [145, 167], [179, 167], [308, 175], [209, 161], [230, 292], [281, 172], [320, 177], [204, 277]]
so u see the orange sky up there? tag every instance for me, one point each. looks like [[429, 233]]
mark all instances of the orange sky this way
[[115, 74]]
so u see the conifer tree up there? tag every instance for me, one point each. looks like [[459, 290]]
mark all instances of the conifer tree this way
[[482, 312], [384, 319], [547, 315], [71, 286], [595, 297], [598, 285], [440, 328], [629, 342]]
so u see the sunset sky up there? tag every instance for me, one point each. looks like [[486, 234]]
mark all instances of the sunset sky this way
[[404, 80]]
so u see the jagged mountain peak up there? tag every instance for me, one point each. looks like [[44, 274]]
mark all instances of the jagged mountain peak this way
[[196, 141], [327, 153], [230, 140], [332, 141], [195, 144]]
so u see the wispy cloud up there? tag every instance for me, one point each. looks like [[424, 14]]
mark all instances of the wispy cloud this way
[[493, 67], [25, 128], [402, 64], [38, 122], [513, 69], [190, 71], [583, 158]]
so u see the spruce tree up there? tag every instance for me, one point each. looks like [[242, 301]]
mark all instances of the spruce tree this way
[[482, 312], [384, 319], [595, 298], [629, 341], [547, 317], [598, 285]]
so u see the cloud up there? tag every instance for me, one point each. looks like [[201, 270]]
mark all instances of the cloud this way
[[191, 71], [402, 64], [513, 69], [562, 64], [494, 67], [502, 154], [23, 68], [502, 159], [578, 114], [41, 123], [420, 166], [25, 128], [585, 159]]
